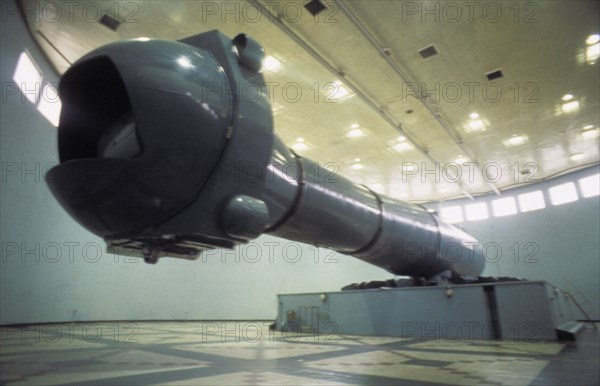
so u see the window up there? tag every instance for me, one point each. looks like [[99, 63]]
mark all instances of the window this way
[[590, 186], [477, 211], [50, 104], [562, 194], [453, 214], [28, 77], [504, 206], [531, 201]]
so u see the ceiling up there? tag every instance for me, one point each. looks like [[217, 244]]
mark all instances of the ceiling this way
[[421, 138]]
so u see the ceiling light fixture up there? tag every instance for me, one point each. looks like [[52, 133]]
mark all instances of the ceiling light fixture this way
[[477, 125], [577, 157], [300, 146], [270, 63], [355, 133], [567, 97], [515, 140], [339, 92], [570, 107], [473, 115], [402, 147], [592, 39], [592, 51], [357, 166], [590, 134]]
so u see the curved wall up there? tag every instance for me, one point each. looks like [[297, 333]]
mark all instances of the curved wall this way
[[559, 243]]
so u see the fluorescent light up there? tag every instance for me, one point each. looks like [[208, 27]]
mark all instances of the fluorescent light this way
[[531, 201], [477, 125], [478, 211], [357, 166], [473, 115], [562, 194], [28, 77], [271, 63], [299, 146], [401, 138], [355, 133], [592, 39], [592, 53], [50, 104], [567, 97], [590, 134], [356, 159], [587, 127], [515, 140], [453, 214], [402, 147], [590, 186], [577, 157], [504, 206], [339, 92], [570, 107], [355, 126]]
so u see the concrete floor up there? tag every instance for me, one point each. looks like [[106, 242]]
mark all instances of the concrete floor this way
[[248, 353]]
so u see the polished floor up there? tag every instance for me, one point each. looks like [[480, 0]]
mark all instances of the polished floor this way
[[248, 353]]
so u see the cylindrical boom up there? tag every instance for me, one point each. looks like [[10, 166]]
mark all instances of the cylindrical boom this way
[[310, 204]]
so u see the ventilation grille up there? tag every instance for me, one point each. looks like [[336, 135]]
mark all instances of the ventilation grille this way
[[110, 22], [494, 74], [315, 7], [428, 51]]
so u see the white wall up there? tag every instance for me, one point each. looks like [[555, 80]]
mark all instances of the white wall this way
[[561, 243]]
